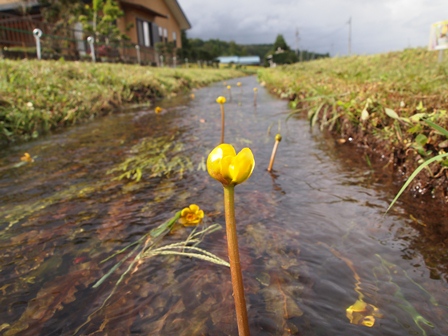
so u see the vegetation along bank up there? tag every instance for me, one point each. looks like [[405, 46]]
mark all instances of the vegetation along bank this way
[[39, 96], [379, 103]]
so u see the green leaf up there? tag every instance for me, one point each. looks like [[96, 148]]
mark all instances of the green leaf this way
[[391, 113], [438, 128], [421, 139], [414, 174]]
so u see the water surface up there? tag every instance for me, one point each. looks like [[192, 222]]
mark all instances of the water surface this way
[[313, 239]]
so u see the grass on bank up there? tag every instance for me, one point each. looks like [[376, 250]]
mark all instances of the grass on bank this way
[[40, 96], [380, 101]]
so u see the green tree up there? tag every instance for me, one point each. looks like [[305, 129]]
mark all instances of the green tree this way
[[100, 20], [280, 43]]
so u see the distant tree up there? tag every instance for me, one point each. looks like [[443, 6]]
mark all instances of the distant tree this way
[[281, 43]]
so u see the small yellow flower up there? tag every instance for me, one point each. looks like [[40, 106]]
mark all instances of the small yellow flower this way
[[221, 100], [26, 158], [278, 137], [238, 84], [158, 109], [228, 87], [362, 313], [192, 96], [224, 165], [191, 216], [255, 89]]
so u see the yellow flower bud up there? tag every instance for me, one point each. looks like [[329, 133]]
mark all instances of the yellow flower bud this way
[[255, 89], [229, 168], [238, 84], [158, 109], [228, 87], [221, 100], [278, 137]]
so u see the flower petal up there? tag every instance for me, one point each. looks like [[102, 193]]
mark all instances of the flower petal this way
[[214, 165], [242, 166], [194, 208]]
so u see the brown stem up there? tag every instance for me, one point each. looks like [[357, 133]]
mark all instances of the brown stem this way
[[274, 151], [255, 98], [234, 260], [222, 122]]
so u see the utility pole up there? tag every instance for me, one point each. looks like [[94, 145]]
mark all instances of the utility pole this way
[[297, 41], [349, 36]]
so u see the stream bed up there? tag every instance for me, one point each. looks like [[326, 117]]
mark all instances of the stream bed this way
[[318, 255]]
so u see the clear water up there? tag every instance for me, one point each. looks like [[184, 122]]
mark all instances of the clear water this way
[[313, 239]]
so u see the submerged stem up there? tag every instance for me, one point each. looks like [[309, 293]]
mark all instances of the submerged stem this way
[[234, 260]]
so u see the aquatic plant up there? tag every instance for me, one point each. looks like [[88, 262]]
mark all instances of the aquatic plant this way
[[147, 247], [278, 138], [153, 157], [229, 89], [231, 169], [191, 215], [221, 100], [26, 158], [255, 96]]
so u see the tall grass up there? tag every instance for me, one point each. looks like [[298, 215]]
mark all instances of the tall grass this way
[[39, 96], [381, 102]]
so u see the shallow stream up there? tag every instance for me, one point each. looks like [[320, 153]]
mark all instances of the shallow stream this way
[[313, 236]]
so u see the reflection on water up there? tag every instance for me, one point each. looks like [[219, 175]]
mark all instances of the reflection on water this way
[[318, 257]]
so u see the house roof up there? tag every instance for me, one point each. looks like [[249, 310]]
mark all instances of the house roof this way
[[13, 4], [142, 8], [179, 14], [239, 59]]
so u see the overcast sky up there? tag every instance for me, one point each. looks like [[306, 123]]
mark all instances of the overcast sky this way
[[376, 25]]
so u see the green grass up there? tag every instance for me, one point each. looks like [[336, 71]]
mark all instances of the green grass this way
[[39, 96], [383, 102]]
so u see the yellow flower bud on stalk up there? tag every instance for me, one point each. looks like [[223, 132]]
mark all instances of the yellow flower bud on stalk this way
[[278, 138], [229, 168], [230, 91], [221, 101]]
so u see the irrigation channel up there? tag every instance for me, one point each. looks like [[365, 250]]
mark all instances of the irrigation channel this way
[[313, 239]]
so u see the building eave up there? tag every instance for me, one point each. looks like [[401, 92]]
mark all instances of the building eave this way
[[179, 14]]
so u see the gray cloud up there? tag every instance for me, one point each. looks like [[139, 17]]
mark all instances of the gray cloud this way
[[377, 26]]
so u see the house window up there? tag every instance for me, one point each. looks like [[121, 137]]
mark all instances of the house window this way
[[144, 33], [165, 35], [174, 38], [160, 34]]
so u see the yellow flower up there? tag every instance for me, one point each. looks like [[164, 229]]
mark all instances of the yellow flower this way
[[192, 96], [255, 89], [228, 87], [362, 313], [27, 158], [238, 84], [158, 109], [278, 137], [191, 216], [224, 165], [221, 100]]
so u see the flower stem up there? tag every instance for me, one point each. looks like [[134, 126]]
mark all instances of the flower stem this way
[[274, 151], [222, 122], [234, 260]]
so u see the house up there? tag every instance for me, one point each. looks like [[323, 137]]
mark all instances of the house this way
[[150, 21], [153, 21], [240, 60]]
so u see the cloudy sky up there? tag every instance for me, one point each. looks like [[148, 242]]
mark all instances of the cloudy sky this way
[[376, 25]]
